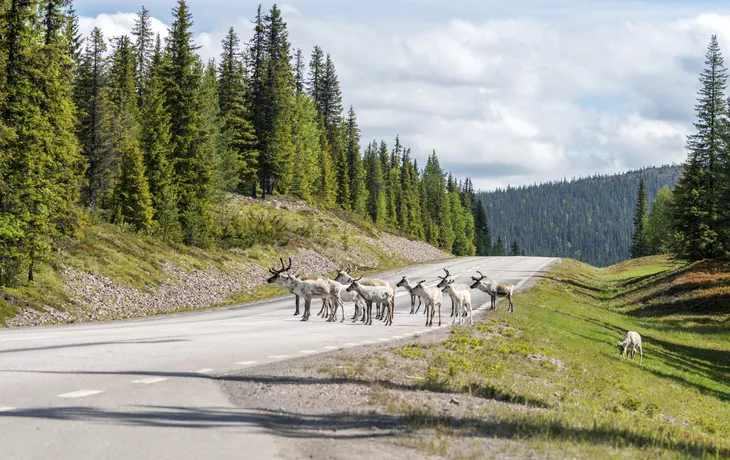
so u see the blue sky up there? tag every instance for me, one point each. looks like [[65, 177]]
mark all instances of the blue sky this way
[[506, 92]]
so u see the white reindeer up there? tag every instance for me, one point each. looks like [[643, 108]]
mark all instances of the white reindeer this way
[[462, 300], [494, 289], [309, 289], [457, 287], [432, 297], [272, 280], [405, 283], [344, 278], [631, 339], [381, 294]]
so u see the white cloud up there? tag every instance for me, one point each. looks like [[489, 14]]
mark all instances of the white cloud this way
[[527, 98]]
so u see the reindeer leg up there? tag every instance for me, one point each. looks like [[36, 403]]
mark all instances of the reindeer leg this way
[[296, 302], [307, 304], [439, 315]]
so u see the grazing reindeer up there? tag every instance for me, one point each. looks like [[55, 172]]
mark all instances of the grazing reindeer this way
[[405, 283], [432, 297], [344, 278], [381, 294], [456, 287], [327, 290], [494, 289], [631, 339], [462, 300]]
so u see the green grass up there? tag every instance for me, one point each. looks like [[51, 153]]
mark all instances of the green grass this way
[[557, 355]]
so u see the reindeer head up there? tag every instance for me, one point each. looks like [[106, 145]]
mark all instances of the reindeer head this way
[[447, 286], [354, 285], [477, 280], [403, 283], [444, 280], [342, 275], [278, 274]]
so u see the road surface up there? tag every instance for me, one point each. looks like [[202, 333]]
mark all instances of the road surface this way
[[147, 388]]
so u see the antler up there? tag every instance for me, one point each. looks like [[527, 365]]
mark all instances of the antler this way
[[349, 268], [480, 274], [283, 268], [447, 274]]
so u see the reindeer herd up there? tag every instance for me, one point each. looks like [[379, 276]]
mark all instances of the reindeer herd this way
[[365, 292]]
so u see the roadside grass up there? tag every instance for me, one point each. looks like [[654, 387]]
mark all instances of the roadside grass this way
[[556, 356]]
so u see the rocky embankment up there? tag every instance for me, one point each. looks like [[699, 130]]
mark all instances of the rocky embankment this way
[[98, 298]]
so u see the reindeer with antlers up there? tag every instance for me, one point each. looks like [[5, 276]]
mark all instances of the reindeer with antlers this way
[[327, 290], [345, 278], [494, 289], [456, 287]]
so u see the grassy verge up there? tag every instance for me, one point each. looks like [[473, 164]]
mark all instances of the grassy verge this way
[[560, 385]]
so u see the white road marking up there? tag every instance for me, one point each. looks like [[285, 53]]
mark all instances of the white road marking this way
[[408, 334], [246, 363], [80, 394], [330, 347], [203, 371], [278, 356], [149, 380], [308, 352], [175, 329], [350, 344], [383, 340], [397, 337], [29, 338], [367, 341], [6, 408]]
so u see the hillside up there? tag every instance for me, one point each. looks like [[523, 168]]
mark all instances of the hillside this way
[[588, 219], [111, 274]]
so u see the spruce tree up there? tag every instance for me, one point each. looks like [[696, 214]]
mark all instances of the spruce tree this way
[[499, 249], [327, 183], [256, 95], [315, 81], [299, 71], [374, 182], [697, 193], [482, 235], [90, 96], [156, 147], [515, 248], [192, 166], [143, 47], [639, 245], [658, 224], [356, 174], [239, 157], [131, 202], [307, 149]]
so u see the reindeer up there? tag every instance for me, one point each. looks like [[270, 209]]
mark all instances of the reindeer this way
[[405, 283], [327, 290], [432, 297], [344, 278], [462, 300], [494, 289], [381, 294], [456, 287], [283, 269]]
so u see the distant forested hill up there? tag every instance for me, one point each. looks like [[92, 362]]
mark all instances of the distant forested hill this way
[[589, 219]]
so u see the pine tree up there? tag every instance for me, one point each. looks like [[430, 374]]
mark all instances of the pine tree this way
[[356, 174], [239, 157], [374, 183], [214, 145], [299, 71], [437, 205], [90, 97], [639, 244], [74, 39], [315, 81], [698, 191], [183, 83], [143, 48], [327, 184], [256, 95], [156, 147]]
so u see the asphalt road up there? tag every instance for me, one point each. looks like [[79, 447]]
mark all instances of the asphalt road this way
[[146, 388]]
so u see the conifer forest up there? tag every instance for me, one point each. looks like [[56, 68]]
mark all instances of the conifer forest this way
[[139, 132]]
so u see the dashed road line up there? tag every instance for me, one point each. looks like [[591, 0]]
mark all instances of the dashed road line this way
[[80, 394], [367, 341], [245, 363], [397, 337], [278, 356], [308, 352], [350, 344], [6, 408], [330, 347], [383, 340], [149, 380], [203, 371]]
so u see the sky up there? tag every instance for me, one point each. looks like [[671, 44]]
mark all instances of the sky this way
[[515, 92]]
